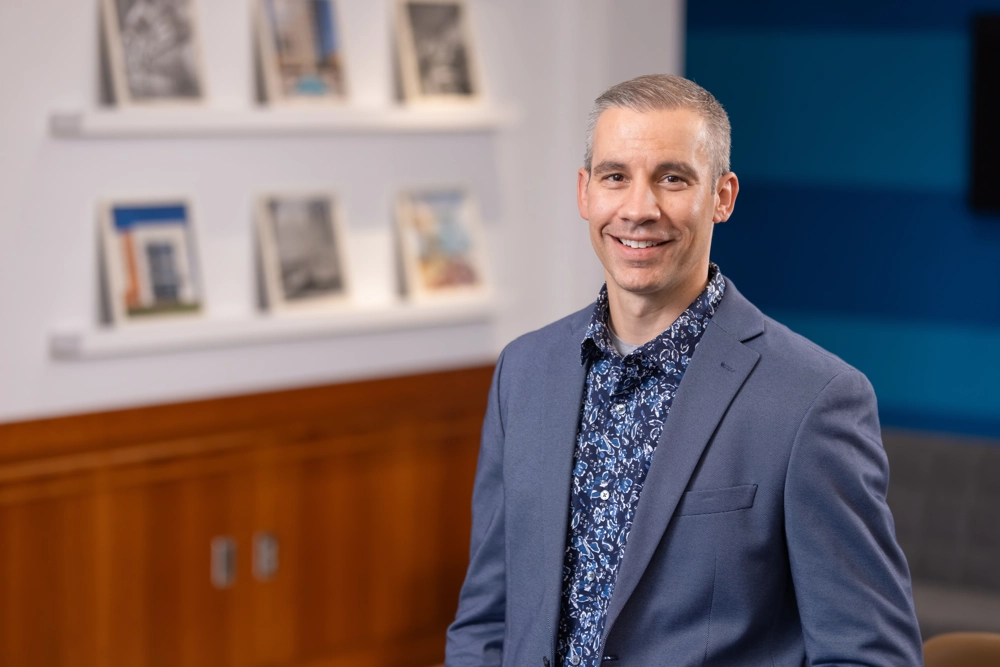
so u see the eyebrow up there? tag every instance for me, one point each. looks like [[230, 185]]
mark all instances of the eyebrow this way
[[681, 168], [609, 165]]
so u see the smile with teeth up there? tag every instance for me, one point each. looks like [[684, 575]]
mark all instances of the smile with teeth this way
[[639, 244]]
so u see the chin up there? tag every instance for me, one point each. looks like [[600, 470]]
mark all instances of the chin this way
[[637, 285]]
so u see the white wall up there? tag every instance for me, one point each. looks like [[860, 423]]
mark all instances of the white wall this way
[[546, 58]]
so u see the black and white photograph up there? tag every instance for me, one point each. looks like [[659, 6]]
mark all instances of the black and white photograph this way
[[436, 55], [153, 51], [150, 261], [302, 253], [301, 51]]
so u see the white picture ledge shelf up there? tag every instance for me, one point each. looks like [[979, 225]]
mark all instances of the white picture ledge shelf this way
[[199, 332], [213, 122]]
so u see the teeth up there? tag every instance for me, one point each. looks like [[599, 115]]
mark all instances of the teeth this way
[[638, 244]]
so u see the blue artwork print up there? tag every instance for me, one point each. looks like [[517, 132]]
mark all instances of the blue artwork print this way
[[442, 240], [154, 250], [307, 45]]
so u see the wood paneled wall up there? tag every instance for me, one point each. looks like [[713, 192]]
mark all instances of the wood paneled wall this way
[[106, 522]]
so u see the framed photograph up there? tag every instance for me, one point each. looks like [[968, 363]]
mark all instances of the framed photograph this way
[[301, 52], [154, 53], [441, 245], [437, 60], [150, 260], [302, 252]]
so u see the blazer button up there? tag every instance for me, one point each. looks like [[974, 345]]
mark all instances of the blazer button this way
[[545, 662]]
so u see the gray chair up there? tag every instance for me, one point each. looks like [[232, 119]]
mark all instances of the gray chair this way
[[945, 497]]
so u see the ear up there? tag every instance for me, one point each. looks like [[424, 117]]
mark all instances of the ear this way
[[726, 190], [582, 202]]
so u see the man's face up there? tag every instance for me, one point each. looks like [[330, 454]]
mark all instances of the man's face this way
[[652, 185]]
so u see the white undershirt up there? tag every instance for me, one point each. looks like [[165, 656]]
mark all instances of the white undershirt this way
[[623, 348]]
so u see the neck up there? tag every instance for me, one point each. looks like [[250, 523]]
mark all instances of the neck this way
[[639, 318]]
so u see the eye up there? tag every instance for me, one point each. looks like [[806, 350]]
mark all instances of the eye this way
[[615, 178], [673, 178]]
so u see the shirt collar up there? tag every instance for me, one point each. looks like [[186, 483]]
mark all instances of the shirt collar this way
[[597, 340]]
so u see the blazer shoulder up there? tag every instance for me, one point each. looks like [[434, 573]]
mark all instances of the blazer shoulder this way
[[799, 360], [529, 362], [781, 349], [778, 346], [559, 336], [800, 346]]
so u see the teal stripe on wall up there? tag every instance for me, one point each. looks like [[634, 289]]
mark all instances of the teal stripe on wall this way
[[861, 109], [945, 370]]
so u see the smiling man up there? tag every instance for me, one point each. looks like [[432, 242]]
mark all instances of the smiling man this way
[[668, 477]]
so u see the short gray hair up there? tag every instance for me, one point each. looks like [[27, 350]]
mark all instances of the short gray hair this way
[[653, 92]]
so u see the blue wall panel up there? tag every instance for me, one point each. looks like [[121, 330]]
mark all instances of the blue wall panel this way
[[891, 254], [841, 108], [850, 135]]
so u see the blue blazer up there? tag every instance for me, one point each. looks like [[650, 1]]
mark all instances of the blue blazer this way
[[762, 535]]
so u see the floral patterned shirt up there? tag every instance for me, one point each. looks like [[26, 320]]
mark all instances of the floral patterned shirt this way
[[626, 405]]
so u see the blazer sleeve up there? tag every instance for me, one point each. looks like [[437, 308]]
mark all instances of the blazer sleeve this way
[[850, 577], [475, 638]]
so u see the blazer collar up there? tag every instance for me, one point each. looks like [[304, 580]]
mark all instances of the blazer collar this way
[[556, 443], [737, 316]]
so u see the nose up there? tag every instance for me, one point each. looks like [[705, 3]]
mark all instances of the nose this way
[[640, 204]]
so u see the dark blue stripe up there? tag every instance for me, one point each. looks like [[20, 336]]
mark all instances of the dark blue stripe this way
[[845, 14], [851, 251], [128, 216]]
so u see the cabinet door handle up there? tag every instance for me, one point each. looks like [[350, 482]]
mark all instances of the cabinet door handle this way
[[265, 556], [223, 572]]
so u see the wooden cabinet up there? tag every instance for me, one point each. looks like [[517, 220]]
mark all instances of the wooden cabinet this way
[[161, 605], [105, 552], [48, 574], [372, 552]]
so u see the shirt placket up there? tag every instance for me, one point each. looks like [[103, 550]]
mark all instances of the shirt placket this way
[[610, 417], [620, 424]]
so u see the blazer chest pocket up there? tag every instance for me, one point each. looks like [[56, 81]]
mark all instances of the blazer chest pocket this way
[[714, 501]]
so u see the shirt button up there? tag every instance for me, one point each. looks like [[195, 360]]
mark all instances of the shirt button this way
[[574, 659], [605, 495]]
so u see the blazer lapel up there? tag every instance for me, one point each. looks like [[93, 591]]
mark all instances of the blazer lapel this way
[[717, 370], [556, 443]]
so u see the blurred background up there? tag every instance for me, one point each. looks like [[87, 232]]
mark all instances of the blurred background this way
[[298, 494]]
